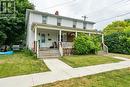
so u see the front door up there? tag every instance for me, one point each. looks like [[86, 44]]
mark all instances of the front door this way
[[43, 40]]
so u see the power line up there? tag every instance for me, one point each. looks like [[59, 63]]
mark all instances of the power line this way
[[107, 7], [113, 17], [61, 4]]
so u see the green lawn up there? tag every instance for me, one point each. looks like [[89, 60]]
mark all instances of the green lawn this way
[[119, 55], [87, 60], [19, 64], [118, 78]]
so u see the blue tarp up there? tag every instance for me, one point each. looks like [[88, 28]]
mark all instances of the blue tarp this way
[[7, 53]]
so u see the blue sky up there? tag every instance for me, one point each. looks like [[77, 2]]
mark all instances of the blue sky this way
[[95, 10]]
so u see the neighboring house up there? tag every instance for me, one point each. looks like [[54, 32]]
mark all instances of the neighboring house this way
[[50, 31]]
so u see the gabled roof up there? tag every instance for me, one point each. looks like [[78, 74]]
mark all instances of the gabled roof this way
[[45, 13]]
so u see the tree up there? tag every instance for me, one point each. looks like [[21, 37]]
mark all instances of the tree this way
[[2, 37], [14, 28], [117, 26]]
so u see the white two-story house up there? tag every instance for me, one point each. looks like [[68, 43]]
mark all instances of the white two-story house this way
[[51, 31]]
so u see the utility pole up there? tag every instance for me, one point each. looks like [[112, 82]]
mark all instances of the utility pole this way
[[84, 23], [84, 17]]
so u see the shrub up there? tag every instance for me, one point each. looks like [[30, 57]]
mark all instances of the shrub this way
[[118, 42], [85, 44], [29, 52]]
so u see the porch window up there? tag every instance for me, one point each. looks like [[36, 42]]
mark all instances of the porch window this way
[[59, 21], [74, 24], [44, 19], [84, 25]]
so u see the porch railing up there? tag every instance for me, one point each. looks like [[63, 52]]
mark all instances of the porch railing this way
[[67, 44], [67, 48], [104, 48]]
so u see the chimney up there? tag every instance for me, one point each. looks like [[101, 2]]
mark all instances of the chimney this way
[[57, 13]]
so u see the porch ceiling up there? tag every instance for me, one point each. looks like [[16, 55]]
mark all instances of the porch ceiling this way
[[63, 28]]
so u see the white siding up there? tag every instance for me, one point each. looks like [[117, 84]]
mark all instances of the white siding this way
[[53, 35], [89, 26], [79, 25], [33, 18], [68, 23], [51, 20]]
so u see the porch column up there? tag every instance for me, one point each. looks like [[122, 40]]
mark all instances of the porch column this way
[[35, 41], [60, 44], [76, 34], [102, 38], [89, 34], [60, 36]]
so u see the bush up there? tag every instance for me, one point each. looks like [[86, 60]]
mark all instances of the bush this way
[[118, 42], [28, 52], [85, 44]]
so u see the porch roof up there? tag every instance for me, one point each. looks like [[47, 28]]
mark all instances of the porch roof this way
[[63, 28]]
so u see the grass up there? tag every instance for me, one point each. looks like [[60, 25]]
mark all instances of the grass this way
[[119, 55], [20, 64], [118, 78], [87, 60]]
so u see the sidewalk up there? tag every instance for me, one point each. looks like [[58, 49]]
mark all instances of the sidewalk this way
[[59, 71]]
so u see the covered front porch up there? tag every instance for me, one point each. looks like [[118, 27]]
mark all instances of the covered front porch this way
[[50, 38], [56, 37]]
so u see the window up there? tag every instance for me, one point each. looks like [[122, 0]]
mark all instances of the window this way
[[44, 19], [74, 24], [59, 21], [84, 25]]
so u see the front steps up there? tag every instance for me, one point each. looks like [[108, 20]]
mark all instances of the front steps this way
[[102, 53], [49, 53]]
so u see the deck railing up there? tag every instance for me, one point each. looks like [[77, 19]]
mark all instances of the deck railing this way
[[67, 48], [67, 44]]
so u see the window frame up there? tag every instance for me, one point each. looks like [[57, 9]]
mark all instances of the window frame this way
[[74, 23], [44, 19], [59, 20]]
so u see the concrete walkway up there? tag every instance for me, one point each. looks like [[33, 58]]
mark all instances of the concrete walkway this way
[[55, 65], [60, 71]]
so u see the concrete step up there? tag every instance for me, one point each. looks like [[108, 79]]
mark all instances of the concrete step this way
[[49, 53], [49, 57], [101, 53]]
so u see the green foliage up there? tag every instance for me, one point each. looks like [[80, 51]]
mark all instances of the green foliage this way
[[2, 37], [29, 52], [21, 6], [117, 26], [85, 44], [117, 37], [118, 42], [14, 28], [127, 20]]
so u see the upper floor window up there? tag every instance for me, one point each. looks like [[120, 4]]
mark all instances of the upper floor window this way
[[59, 21], [44, 19], [84, 25], [74, 24]]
